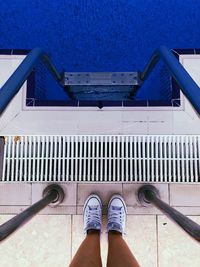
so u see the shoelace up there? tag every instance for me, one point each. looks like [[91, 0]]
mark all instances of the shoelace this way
[[115, 215], [93, 215]]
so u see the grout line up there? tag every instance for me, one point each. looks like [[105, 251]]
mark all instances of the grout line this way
[[77, 198], [31, 194], [169, 193], [77, 210], [123, 193], [71, 237], [157, 248]]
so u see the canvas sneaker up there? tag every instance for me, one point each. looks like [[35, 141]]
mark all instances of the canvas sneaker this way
[[92, 213], [117, 211]]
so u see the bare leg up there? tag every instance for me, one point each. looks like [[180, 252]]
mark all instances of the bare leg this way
[[88, 254], [118, 252]]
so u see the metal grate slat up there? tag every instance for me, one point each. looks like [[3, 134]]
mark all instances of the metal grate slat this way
[[109, 158]]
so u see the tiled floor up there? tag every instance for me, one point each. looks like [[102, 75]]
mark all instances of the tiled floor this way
[[53, 236]]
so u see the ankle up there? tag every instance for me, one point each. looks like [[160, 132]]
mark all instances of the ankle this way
[[93, 232], [114, 233]]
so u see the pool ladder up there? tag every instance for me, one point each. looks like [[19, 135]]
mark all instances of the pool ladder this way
[[187, 85]]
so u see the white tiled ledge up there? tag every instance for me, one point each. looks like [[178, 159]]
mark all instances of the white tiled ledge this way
[[16, 197]]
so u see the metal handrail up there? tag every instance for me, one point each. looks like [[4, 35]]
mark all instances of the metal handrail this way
[[53, 194], [148, 194], [16, 80], [187, 85]]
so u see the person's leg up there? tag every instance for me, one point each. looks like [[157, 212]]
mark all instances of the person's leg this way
[[88, 254], [118, 252]]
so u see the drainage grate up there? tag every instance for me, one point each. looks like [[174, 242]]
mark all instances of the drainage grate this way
[[149, 158]]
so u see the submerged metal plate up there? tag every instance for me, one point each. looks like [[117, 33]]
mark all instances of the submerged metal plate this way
[[98, 86], [101, 78]]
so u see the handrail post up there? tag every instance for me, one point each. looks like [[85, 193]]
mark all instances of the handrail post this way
[[148, 194], [53, 195]]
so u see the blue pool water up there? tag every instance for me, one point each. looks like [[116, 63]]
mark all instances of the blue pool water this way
[[94, 35]]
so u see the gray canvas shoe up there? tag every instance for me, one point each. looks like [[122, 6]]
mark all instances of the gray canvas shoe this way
[[92, 213], [116, 214]]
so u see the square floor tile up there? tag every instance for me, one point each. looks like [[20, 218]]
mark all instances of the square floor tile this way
[[15, 194], [130, 194], [45, 241], [175, 247], [185, 195]]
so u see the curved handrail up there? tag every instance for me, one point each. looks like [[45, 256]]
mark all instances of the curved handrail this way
[[16, 80], [182, 77], [188, 86], [148, 194]]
